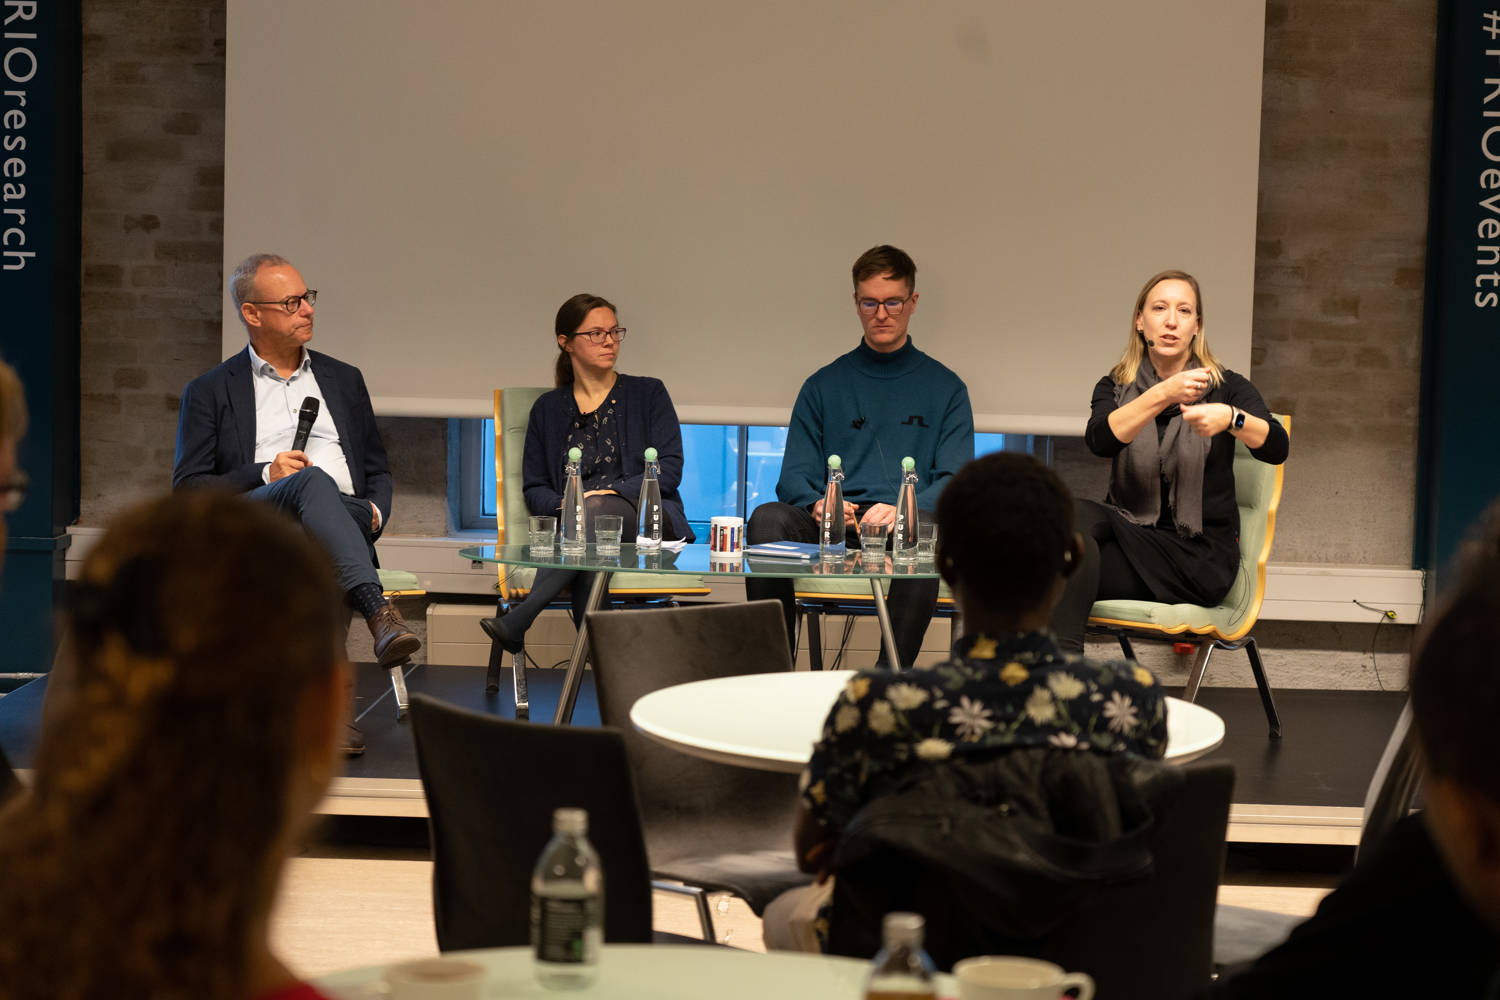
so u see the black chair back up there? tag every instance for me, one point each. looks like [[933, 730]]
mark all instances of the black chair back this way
[[692, 806], [491, 787], [1147, 936]]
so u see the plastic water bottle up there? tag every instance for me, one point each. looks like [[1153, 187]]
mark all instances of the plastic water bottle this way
[[831, 530], [575, 536], [902, 970], [649, 507], [567, 905], [904, 536]]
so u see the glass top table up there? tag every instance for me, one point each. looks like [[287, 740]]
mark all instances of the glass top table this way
[[693, 560]]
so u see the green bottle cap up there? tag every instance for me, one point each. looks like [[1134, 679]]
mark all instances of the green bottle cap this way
[[908, 463], [834, 461], [574, 454], [650, 454]]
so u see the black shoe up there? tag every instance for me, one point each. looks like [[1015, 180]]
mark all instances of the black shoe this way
[[394, 642], [352, 743], [496, 631]]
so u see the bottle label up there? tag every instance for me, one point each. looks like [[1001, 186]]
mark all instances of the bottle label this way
[[561, 931]]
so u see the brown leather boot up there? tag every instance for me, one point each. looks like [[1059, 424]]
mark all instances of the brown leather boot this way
[[394, 642]]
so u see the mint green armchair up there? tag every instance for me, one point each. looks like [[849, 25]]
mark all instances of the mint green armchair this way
[[1257, 488]]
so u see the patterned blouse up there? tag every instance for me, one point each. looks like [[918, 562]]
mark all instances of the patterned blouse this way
[[991, 696], [594, 434]]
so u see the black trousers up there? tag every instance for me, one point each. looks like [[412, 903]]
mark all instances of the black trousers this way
[[911, 603], [1104, 572]]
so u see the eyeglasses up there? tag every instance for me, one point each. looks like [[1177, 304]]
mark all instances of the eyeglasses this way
[[13, 493], [292, 302], [892, 306], [600, 336]]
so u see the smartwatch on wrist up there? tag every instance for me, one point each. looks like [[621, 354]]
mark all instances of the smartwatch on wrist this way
[[1236, 418]]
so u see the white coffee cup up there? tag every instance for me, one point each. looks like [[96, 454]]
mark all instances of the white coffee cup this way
[[1001, 977], [436, 979]]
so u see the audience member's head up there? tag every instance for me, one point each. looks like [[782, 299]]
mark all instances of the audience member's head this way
[[189, 732], [1455, 694], [12, 427], [1006, 540]]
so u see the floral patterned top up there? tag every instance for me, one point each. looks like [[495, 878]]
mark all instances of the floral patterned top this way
[[992, 695], [594, 435]]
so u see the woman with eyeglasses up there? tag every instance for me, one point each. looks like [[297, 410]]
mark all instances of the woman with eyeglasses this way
[[1167, 416], [612, 418]]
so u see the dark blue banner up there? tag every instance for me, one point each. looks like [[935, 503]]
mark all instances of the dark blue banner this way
[[39, 284]]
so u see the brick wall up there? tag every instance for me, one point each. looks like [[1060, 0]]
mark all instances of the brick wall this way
[[1344, 153]]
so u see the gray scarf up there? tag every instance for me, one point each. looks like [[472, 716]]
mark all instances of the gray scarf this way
[[1179, 457]]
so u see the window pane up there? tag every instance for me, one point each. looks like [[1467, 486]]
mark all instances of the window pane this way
[[984, 444], [710, 473], [763, 465], [487, 467]]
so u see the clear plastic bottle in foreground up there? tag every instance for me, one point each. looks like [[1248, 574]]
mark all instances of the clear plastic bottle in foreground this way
[[831, 528], [904, 532], [902, 970], [649, 508], [574, 532], [567, 905]]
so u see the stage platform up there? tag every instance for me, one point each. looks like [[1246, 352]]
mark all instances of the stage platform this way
[[1306, 788]]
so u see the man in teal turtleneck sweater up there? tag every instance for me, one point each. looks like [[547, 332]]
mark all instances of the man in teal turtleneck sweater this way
[[882, 401]]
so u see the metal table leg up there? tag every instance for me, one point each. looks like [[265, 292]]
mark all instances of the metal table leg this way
[[398, 687], [574, 678], [518, 684], [887, 633]]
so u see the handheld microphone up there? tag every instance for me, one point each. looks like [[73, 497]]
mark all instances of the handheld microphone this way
[[305, 419], [1149, 343]]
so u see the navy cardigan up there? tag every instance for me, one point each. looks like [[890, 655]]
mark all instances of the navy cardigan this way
[[646, 420]]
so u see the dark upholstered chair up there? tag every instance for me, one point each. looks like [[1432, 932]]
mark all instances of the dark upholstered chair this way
[[491, 787], [713, 826], [1146, 936]]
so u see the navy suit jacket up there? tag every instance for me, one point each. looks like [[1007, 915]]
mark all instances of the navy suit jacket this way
[[216, 429]]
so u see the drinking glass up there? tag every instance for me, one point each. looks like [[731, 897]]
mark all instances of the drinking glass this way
[[607, 529], [872, 545], [926, 540], [542, 531]]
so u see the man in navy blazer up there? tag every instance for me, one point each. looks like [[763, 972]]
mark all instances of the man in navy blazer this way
[[236, 426]]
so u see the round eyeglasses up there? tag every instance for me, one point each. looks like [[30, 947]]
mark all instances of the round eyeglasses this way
[[292, 302], [600, 336]]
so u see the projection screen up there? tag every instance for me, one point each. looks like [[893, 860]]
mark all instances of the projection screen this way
[[446, 173]]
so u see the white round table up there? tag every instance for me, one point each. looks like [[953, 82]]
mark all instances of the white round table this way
[[770, 721], [653, 972]]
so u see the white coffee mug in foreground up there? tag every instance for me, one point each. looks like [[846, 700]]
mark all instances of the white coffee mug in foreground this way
[[436, 979], [1000, 977]]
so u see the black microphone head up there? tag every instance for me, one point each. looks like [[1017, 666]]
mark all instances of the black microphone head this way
[[1149, 343], [309, 411]]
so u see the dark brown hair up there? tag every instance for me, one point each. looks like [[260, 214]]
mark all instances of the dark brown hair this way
[[569, 315], [886, 259], [147, 844]]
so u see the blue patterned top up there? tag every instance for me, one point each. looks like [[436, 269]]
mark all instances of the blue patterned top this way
[[992, 695]]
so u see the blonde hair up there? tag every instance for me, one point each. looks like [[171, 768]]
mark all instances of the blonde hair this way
[[1129, 365]]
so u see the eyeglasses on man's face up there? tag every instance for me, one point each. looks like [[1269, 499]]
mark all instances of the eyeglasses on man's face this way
[[892, 306], [615, 334], [13, 493], [292, 302]]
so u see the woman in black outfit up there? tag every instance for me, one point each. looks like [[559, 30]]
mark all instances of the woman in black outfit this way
[[612, 418], [1167, 415]]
